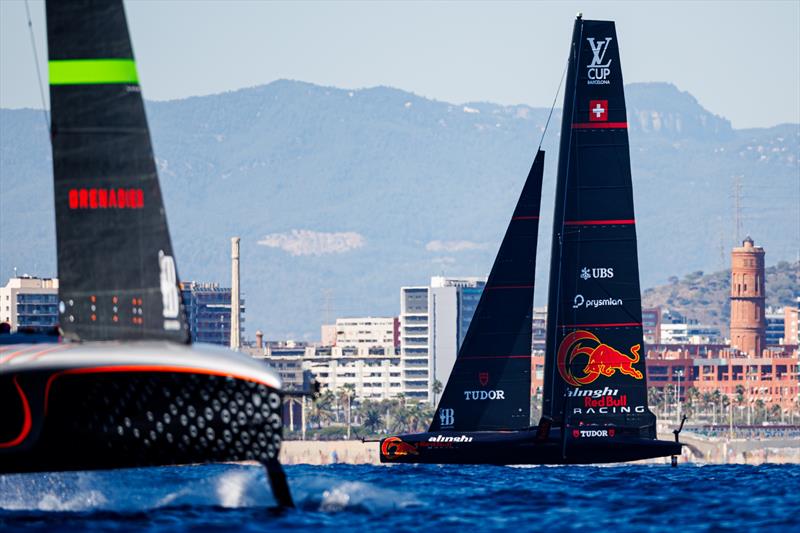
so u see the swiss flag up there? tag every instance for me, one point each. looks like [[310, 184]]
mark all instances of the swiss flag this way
[[598, 110]]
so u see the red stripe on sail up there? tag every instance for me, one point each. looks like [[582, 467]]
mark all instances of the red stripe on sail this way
[[524, 218], [616, 222], [504, 287], [600, 125]]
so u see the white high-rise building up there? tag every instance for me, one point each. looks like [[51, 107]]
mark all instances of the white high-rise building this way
[[366, 331], [433, 323], [29, 302], [775, 318]]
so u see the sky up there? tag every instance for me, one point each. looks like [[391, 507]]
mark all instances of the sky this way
[[741, 60]]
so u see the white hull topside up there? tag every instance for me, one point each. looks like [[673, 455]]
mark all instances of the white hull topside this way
[[147, 356]]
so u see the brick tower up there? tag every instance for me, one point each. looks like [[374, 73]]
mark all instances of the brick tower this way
[[748, 324]]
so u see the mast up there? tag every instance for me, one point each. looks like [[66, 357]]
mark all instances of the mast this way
[[594, 366], [116, 267], [235, 295], [490, 385]]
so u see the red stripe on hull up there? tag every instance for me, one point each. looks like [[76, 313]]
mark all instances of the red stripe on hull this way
[[27, 422]]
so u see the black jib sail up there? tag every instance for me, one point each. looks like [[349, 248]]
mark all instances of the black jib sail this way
[[490, 384], [116, 269], [595, 353]]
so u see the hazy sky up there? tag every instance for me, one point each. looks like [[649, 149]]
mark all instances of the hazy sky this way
[[740, 59]]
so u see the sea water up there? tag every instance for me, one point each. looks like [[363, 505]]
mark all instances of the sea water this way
[[410, 497]]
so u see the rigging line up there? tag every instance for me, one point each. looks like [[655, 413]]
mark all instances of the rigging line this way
[[36, 62], [552, 107], [576, 50]]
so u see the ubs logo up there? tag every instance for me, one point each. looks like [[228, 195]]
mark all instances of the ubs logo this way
[[597, 71], [447, 417], [596, 273]]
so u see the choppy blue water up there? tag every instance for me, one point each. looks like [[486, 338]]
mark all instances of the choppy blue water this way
[[233, 497]]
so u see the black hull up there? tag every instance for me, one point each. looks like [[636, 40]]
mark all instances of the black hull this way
[[523, 448], [135, 419], [129, 412]]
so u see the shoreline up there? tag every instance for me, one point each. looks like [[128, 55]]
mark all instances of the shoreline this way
[[698, 450]]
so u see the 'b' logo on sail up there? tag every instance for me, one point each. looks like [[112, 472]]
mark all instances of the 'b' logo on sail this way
[[600, 359], [447, 417], [598, 71]]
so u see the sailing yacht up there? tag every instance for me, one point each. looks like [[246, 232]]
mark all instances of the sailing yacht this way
[[124, 388], [595, 389]]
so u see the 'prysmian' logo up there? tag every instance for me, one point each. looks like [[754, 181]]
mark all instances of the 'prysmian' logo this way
[[601, 359]]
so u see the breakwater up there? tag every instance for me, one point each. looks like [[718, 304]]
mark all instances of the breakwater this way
[[325, 452]]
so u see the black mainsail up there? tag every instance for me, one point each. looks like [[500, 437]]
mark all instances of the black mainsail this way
[[595, 368], [490, 384], [117, 274]]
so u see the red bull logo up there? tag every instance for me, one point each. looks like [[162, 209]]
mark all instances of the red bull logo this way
[[601, 359], [394, 447]]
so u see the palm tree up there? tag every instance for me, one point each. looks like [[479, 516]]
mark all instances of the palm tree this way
[[417, 416], [760, 412], [348, 391], [717, 399], [655, 397], [706, 400], [692, 396], [739, 396], [392, 409], [323, 409], [371, 416], [436, 388], [389, 409], [401, 418], [775, 412]]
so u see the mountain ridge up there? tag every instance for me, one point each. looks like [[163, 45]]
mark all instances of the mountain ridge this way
[[401, 171]]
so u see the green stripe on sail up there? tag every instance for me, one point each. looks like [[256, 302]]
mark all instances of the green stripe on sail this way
[[92, 71]]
